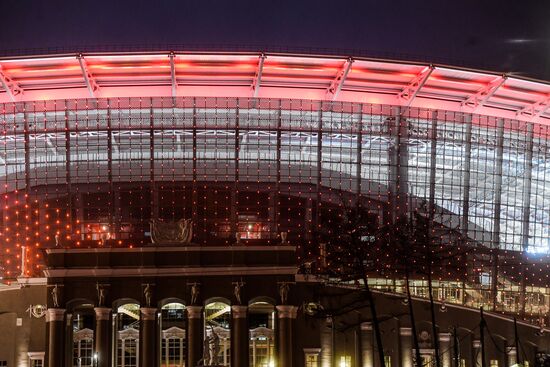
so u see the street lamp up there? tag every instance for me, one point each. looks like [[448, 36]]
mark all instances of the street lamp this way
[[95, 360]]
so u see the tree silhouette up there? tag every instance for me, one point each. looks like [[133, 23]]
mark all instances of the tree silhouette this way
[[350, 239]]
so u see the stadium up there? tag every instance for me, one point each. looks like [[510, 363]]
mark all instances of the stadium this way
[[143, 192]]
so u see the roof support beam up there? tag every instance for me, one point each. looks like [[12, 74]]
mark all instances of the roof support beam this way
[[114, 143], [483, 95], [10, 86], [256, 83], [91, 84], [336, 85], [536, 109], [173, 78], [51, 145], [410, 92]]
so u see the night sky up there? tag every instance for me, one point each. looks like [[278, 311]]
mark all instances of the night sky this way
[[505, 36]]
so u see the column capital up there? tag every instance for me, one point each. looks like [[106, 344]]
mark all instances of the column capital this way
[[148, 313], [445, 337], [366, 326], [55, 314], [102, 313], [287, 312], [405, 331], [476, 343], [194, 312], [239, 312]]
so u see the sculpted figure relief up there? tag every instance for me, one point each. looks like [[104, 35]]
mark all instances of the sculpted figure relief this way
[[100, 294], [211, 349], [214, 348], [237, 290], [195, 290], [284, 287], [180, 231], [148, 293], [55, 296]]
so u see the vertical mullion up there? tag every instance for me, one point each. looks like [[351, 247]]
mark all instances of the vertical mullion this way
[[194, 196], [26, 146], [466, 177], [68, 168], [433, 162], [359, 155], [319, 165], [278, 173], [154, 191], [495, 240], [109, 162], [235, 191], [527, 188]]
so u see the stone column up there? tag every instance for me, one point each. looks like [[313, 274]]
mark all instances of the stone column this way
[[147, 336], [445, 349], [68, 339], [102, 337], [56, 334], [194, 335], [239, 336], [407, 353], [358, 357], [326, 342], [512, 356], [476, 353], [286, 316], [367, 342]]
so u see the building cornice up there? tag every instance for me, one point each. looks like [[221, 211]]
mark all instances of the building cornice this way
[[169, 272]]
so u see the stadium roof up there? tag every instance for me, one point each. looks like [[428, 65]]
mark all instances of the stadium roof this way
[[273, 76]]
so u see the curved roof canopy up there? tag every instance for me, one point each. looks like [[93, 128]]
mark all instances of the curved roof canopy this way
[[273, 76]]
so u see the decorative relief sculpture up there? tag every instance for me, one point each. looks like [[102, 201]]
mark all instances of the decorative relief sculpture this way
[[101, 292], [237, 290], [214, 348], [211, 349], [37, 311], [148, 293], [195, 291], [178, 232], [205, 360], [284, 287], [56, 294]]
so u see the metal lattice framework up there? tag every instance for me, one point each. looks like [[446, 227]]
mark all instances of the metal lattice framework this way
[[262, 75], [475, 144], [491, 182]]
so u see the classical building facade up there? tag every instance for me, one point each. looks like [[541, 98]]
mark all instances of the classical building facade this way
[[232, 306]]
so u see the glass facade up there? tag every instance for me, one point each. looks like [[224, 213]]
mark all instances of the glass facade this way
[[95, 172]]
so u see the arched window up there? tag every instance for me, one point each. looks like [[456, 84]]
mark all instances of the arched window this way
[[173, 335], [217, 333], [127, 335], [83, 337], [83, 347], [261, 316]]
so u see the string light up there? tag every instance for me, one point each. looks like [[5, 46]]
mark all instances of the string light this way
[[86, 173]]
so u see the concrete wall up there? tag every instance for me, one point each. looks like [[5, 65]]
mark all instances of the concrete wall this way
[[30, 336]]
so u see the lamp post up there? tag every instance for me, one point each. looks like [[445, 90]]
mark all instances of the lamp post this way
[[95, 360]]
